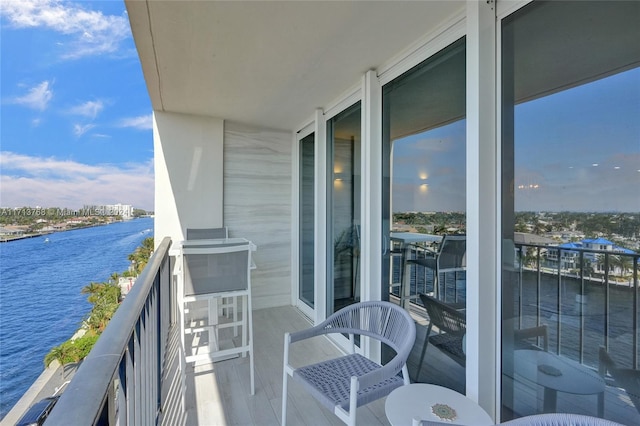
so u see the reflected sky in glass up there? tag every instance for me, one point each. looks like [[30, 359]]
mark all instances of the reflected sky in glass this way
[[576, 150]]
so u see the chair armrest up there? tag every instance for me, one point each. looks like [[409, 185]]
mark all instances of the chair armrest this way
[[374, 377], [317, 330]]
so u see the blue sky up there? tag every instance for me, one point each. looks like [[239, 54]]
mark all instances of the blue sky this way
[[76, 123], [575, 150]]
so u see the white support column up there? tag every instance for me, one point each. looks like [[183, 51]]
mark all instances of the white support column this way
[[483, 249], [371, 194], [320, 233], [188, 159], [295, 219]]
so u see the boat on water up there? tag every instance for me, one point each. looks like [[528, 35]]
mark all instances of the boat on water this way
[[46, 240]]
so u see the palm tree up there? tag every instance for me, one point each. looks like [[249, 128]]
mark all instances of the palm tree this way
[[539, 228], [93, 290], [600, 258], [621, 262], [56, 352]]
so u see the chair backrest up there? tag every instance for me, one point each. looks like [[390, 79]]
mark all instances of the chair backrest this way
[[452, 254], [524, 334], [207, 233], [217, 269], [443, 316], [557, 419], [381, 320], [626, 378]]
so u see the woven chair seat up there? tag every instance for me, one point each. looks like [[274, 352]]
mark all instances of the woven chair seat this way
[[451, 344], [345, 383], [330, 381]]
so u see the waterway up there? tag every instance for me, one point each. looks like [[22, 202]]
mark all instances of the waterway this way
[[40, 301]]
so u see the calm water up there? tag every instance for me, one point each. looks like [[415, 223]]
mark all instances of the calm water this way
[[40, 301]]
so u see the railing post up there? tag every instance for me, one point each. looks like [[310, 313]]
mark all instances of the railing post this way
[[606, 301], [559, 305], [582, 303], [635, 312], [538, 290], [520, 285]]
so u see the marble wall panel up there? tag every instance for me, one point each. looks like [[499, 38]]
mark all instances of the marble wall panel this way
[[257, 205]]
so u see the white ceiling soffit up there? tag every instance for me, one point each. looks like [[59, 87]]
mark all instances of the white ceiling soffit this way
[[270, 63]]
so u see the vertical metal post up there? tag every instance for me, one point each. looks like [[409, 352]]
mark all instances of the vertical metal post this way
[[635, 312], [520, 286], [606, 301], [137, 376], [559, 304], [538, 291], [130, 379], [582, 303]]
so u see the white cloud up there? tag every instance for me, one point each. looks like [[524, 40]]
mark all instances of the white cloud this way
[[79, 129], [31, 181], [37, 97], [91, 32], [88, 109], [143, 122]]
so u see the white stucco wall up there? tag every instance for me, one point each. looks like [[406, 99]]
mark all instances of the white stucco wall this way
[[188, 154]]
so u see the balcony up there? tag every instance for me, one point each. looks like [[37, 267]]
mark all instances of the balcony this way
[[136, 374]]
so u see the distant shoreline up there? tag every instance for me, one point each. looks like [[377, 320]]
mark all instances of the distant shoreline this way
[[41, 234]]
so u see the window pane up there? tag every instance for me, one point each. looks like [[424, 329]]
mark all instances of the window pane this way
[[571, 207], [343, 132], [424, 211], [307, 216]]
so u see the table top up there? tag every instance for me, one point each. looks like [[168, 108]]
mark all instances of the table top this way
[[556, 372], [412, 237], [420, 400]]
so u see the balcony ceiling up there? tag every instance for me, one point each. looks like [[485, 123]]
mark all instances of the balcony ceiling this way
[[269, 63], [272, 63]]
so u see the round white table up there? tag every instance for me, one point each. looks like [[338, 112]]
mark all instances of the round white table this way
[[423, 401], [555, 374]]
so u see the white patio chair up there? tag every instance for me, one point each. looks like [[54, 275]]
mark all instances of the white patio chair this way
[[228, 305], [213, 272], [451, 257], [345, 383], [207, 233]]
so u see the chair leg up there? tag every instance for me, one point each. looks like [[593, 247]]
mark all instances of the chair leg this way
[[284, 399], [285, 373], [601, 403], [249, 326], [424, 350], [353, 401]]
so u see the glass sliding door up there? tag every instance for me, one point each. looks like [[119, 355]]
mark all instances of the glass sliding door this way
[[424, 198], [306, 289], [571, 209], [343, 204]]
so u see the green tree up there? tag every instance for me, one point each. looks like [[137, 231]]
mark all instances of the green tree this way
[[93, 290], [142, 255], [622, 262], [105, 298]]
